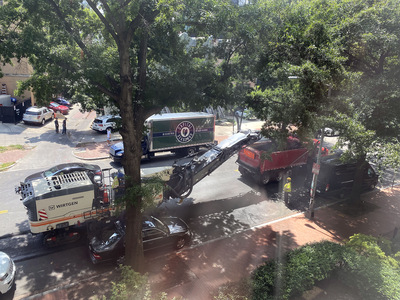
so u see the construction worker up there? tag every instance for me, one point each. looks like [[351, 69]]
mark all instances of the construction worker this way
[[287, 190], [118, 183]]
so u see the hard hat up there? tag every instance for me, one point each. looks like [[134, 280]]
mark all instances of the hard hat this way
[[289, 179]]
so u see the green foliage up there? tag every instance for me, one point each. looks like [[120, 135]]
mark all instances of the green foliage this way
[[365, 263], [296, 271], [372, 247], [374, 278], [386, 155], [133, 286], [4, 166], [11, 147], [150, 191], [235, 291]]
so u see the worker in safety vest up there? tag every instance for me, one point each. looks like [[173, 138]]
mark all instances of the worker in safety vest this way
[[287, 189], [118, 183]]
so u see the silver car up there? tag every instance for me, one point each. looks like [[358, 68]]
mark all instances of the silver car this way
[[102, 123], [7, 273], [37, 115]]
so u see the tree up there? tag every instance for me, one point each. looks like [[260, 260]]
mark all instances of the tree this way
[[370, 106], [127, 53], [298, 64], [344, 56]]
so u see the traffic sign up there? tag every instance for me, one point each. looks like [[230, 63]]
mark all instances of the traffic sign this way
[[315, 168]]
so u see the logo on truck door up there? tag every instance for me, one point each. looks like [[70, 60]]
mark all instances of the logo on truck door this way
[[184, 132]]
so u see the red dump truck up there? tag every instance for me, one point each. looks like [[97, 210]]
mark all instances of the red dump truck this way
[[266, 160]]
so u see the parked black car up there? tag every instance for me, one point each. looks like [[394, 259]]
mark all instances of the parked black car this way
[[156, 233], [337, 177], [93, 171]]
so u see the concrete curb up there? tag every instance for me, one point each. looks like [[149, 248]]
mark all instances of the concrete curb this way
[[90, 158]]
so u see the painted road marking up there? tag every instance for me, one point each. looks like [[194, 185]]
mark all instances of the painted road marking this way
[[3, 211]]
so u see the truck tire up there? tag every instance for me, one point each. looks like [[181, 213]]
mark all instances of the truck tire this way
[[191, 151], [263, 178], [43, 121], [149, 155]]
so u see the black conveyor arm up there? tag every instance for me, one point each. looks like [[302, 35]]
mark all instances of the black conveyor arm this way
[[185, 176]]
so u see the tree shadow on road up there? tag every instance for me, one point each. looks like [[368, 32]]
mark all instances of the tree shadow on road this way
[[224, 260]]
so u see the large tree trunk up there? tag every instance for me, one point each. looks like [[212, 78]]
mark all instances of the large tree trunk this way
[[358, 180], [131, 131]]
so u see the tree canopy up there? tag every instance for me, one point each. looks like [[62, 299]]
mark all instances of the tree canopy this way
[[125, 53], [308, 63]]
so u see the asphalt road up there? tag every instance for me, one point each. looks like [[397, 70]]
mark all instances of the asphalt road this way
[[221, 204]]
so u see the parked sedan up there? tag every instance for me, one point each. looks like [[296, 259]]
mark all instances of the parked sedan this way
[[330, 132], [156, 233], [63, 101], [7, 273], [93, 171], [58, 108]]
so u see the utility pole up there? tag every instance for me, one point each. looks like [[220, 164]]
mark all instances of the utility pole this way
[[315, 171]]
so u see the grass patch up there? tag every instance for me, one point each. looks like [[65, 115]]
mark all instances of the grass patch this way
[[11, 147], [6, 165]]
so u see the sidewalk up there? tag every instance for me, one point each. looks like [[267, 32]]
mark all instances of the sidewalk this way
[[196, 273]]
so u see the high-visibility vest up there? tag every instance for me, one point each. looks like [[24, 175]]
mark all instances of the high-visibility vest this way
[[287, 188], [115, 183]]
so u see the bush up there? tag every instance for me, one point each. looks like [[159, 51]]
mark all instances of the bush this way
[[297, 271], [133, 286], [372, 271], [240, 290], [365, 263]]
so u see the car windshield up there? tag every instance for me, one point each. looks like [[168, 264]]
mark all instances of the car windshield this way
[[160, 225], [51, 171], [34, 113], [112, 239], [54, 104]]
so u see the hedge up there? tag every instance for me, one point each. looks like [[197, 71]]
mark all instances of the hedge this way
[[365, 263], [296, 271]]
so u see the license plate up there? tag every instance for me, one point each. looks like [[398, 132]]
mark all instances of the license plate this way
[[62, 225]]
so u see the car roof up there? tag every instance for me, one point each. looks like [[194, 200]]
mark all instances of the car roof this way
[[77, 164], [107, 117], [35, 108]]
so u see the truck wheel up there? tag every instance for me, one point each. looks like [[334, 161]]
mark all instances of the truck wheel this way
[[43, 121], [191, 151], [263, 179]]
